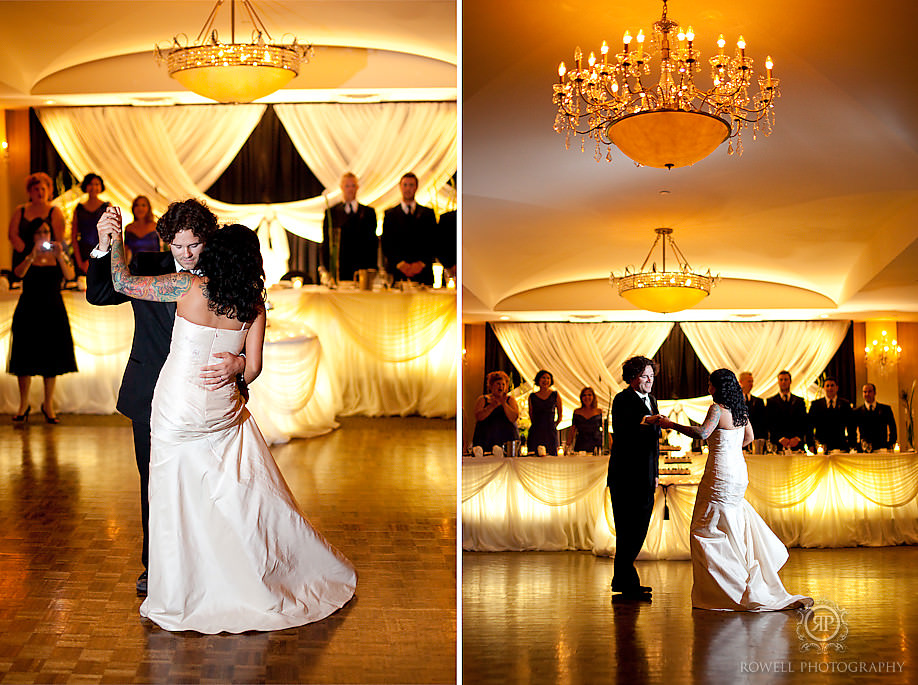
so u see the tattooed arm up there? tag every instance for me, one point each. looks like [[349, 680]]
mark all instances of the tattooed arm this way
[[702, 431], [165, 288]]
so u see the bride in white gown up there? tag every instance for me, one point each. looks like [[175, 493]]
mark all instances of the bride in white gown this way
[[230, 549], [735, 555]]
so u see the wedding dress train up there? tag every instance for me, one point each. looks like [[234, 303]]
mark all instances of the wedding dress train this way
[[230, 549], [735, 555]]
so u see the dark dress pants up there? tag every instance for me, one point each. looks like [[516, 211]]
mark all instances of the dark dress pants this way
[[632, 507], [142, 454]]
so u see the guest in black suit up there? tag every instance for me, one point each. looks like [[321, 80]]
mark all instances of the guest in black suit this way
[[755, 406], [357, 223], [446, 243], [185, 227], [409, 235], [876, 424], [787, 425], [633, 471], [831, 420]]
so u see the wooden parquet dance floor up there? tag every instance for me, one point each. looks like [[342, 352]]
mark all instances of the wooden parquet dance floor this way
[[549, 617], [381, 490]]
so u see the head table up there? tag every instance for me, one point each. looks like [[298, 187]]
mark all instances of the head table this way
[[562, 503], [327, 353]]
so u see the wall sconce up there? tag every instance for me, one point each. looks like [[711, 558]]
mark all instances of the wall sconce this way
[[883, 352]]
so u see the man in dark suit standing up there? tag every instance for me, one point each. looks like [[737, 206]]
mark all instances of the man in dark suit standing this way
[[876, 424], [356, 224], [787, 425], [755, 406], [831, 420], [409, 235], [633, 471], [185, 226]]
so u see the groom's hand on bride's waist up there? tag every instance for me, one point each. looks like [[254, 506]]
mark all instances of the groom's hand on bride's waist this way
[[224, 372]]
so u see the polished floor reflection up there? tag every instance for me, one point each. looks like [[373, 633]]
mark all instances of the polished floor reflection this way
[[550, 617], [381, 490]]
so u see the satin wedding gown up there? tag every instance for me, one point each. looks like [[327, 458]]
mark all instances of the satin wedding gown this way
[[230, 549], [735, 555]]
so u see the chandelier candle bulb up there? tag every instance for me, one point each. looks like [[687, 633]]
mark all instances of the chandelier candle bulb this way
[[626, 40], [741, 44]]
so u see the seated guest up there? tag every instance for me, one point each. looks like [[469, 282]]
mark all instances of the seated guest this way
[[876, 425], [587, 423], [495, 414], [831, 420], [358, 244], [755, 406], [409, 233], [786, 414]]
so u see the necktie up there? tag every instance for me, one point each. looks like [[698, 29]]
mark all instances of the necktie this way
[[831, 404]]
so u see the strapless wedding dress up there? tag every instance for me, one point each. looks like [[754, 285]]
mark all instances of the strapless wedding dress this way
[[735, 555], [230, 549]]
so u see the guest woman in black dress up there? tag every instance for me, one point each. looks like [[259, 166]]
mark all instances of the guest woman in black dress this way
[[544, 413], [41, 341], [587, 423], [495, 414], [28, 217]]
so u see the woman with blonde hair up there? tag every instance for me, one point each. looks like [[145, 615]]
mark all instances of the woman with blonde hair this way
[[587, 423], [495, 414], [29, 216]]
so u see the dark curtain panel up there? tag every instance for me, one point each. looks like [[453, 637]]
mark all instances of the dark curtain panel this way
[[681, 375], [269, 169], [841, 367], [497, 360], [43, 157]]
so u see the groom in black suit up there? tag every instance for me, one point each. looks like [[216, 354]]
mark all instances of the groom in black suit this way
[[185, 226], [633, 471], [409, 235]]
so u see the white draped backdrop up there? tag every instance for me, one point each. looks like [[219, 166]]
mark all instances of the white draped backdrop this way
[[171, 153], [591, 354]]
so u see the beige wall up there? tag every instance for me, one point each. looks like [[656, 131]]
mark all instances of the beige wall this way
[[14, 167]]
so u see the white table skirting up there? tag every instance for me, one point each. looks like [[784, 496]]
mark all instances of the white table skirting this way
[[562, 503], [326, 354]]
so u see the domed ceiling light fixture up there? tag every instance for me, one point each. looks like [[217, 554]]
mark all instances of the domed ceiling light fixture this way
[[664, 291], [667, 121], [233, 72]]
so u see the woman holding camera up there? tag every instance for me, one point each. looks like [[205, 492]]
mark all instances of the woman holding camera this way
[[41, 341]]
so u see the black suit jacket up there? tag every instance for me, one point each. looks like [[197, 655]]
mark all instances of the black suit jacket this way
[[757, 415], [834, 427], [153, 323], [446, 240], [786, 419], [359, 244], [409, 238], [635, 454], [877, 427]]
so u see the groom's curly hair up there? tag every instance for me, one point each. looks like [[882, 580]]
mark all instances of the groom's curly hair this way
[[634, 367], [191, 215], [231, 262], [728, 393]]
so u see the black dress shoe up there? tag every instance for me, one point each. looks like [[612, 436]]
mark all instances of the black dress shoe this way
[[23, 417], [633, 596], [142, 584], [646, 589], [49, 419]]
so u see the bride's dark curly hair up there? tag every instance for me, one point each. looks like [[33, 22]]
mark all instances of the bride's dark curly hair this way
[[727, 392], [231, 263]]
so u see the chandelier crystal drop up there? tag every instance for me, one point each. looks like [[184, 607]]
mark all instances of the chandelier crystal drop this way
[[662, 118], [664, 291], [233, 72]]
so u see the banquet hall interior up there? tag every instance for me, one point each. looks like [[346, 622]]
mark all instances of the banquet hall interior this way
[[812, 235], [359, 386]]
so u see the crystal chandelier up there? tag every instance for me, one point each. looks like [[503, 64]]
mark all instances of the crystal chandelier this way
[[664, 121], [664, 291], [233, 72], [883, 352]]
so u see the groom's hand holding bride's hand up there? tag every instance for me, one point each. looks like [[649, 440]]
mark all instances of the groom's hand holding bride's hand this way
[[108, 226], [665, 423]]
